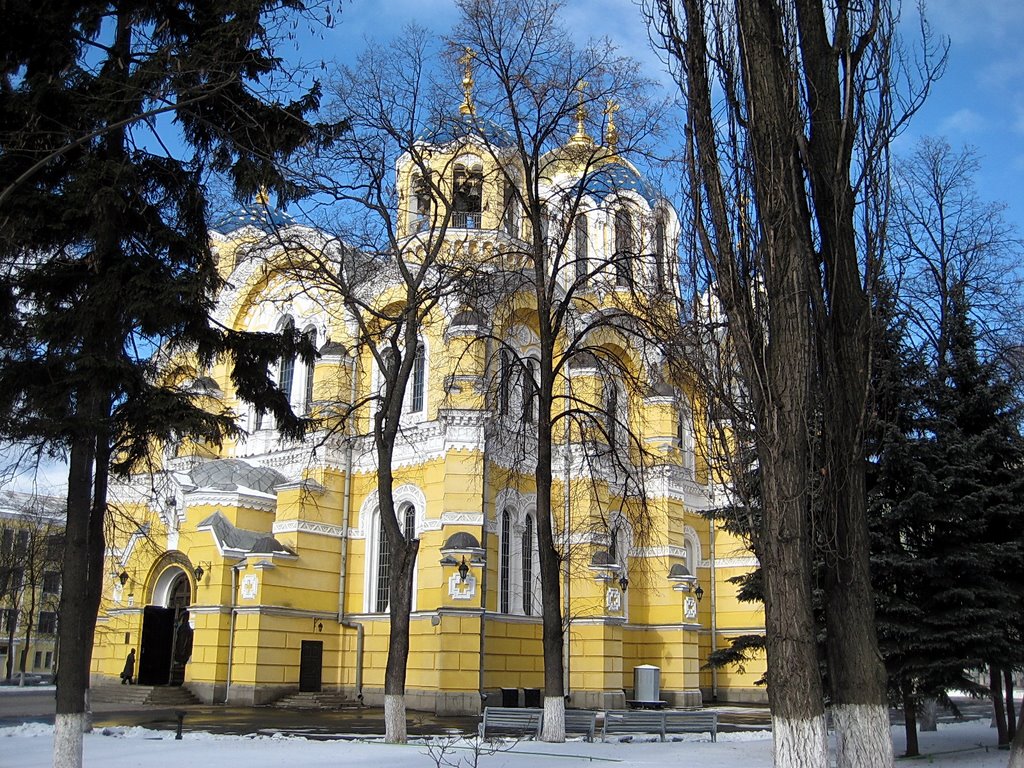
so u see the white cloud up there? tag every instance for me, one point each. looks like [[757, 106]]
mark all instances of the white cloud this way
[[963, 121]]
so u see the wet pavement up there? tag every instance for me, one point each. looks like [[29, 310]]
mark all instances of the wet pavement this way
[[367, 722]]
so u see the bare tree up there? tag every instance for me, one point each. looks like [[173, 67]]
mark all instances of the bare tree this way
[[947, 242], [789, 110], [586, 272], [30, 561], [380, 268]]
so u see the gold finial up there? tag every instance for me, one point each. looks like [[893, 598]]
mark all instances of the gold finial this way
[[466, 60], [262, 195], [581, 138], [611, 131]]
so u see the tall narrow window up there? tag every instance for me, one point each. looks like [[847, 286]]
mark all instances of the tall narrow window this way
[[624, 250], [659, 253], [409, 522], [286, 371], [468, 183], [504, 566], [418, 381], [582, 249], [505, 383], [529, 390], [307, 394], [383, 597], [510, 210], [611, 413], [528, 566], [420, 200]]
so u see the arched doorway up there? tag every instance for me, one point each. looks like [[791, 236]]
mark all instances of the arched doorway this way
[[172, 595]]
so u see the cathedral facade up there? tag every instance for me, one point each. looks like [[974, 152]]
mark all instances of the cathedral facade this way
[[271, 552]]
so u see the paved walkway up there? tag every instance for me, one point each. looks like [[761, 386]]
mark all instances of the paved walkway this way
[[37, 705]]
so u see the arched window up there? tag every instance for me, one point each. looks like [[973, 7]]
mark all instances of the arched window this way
[[310, 334], [582, 248], [286, 369], [510, 210], [420, 197], [418, 381], [407, 517], [660, 263], [685, 436], [528, 547], [467, 183], [505, 564], [624, 248], [529, 390], [415, 391], [383, 595], [611, 412], [506, 380]]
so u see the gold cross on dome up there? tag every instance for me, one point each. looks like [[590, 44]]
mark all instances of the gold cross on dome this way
[[466, 60]]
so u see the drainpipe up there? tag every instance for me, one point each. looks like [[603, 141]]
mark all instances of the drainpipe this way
[[714, 612], [484, 474], [231, 627], [346, 509], [567, 590], [484, 479]]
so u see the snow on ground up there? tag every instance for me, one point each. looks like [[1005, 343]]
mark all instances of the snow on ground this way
[[958, 745]]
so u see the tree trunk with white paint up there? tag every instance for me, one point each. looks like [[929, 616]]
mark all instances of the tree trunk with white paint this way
[[68, 732], [394, 718], [554, 719]]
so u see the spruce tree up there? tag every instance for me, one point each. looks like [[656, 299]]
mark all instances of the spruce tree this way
[[978, 530], [103, 241]]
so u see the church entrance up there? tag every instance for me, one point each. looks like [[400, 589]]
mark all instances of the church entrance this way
[[160, 630]]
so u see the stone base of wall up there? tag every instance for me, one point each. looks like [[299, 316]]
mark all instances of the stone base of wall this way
[[756, 695], [597, 700]]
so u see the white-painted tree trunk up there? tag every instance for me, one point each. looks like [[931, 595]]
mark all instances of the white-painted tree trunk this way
[[862, 736], [394, 719], [800, 743], [554, 719], [67, 740]]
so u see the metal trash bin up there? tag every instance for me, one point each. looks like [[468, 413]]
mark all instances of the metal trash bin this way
[[647, 683], [531, 697], [510, 697]]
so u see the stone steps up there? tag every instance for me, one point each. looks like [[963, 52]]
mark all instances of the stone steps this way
[[143, 695]]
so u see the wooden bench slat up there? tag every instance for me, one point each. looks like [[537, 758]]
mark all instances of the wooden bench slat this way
[[519, 721], [633, 721], [581, 721], [692, 722]]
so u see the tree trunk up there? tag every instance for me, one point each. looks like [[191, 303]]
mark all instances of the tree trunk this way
[[73, 661], [403, 559], [1011, 714], [550, 573], [1017, 750], [995, 681], [910, 721]]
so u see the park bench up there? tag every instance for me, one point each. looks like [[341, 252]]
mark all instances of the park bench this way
[[580, 722], [692, 722], [509, 721], [619, 721]]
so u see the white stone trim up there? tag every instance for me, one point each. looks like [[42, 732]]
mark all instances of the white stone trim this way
[[309, 526], [261, 502]]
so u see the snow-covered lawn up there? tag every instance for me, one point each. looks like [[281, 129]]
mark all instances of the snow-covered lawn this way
[[963, 745]]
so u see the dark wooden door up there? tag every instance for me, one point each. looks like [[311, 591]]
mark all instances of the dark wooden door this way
[[311, 665], [157, 641]]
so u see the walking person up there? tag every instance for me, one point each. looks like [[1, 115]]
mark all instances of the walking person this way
[[129, 669]]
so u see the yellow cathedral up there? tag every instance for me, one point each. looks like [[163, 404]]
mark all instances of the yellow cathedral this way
[[266, 556]]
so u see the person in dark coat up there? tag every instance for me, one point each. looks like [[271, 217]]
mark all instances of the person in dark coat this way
[[129, 668]]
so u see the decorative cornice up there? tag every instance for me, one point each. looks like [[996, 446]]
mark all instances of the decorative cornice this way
[[255, 500], [308, 526]]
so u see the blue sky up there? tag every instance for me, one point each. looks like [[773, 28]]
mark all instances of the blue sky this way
[[979, 101]]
